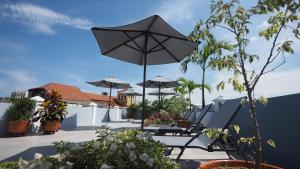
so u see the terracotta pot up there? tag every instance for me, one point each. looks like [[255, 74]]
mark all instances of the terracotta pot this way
[[18, 126], [233, 163], [183, 123], [51, 127]]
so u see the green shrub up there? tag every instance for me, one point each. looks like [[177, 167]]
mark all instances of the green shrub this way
[[20, 109], [9, 165], [128, 149]]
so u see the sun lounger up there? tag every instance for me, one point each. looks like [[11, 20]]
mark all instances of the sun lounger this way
[[221, 119], [193, 126]]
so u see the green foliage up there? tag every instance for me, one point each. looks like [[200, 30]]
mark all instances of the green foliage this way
[[118, 149], [247, 140], [271, 143], [263, 100], [221, 85], [216, 133], [20, 109], [178, 106], [188, 86], [236, 20], [236, 128], [9, 165], [53, 108], [208, 50]]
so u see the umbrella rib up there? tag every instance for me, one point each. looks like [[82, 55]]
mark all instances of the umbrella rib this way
[[169, 36], [115, 30], [151, 50], [133, 40], [152, 22], [156, 50], [104, 53], [133, 48], [165, 48]]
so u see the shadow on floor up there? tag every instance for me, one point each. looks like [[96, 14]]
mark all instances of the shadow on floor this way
[[29, 153]]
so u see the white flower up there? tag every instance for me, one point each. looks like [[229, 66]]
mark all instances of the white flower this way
[[69, 165], [144, 157], [132, 156], [150, 162], [105, 166], [113, 147], [38, 156], [96, 144], [130, 145], [23, 163]]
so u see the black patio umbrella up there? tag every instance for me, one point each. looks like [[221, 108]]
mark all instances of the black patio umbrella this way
[[159, 82], [162, 92], [110, 82], [150, 41]]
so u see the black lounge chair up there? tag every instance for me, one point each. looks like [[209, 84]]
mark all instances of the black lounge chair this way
[[196, 125], [221, 119]]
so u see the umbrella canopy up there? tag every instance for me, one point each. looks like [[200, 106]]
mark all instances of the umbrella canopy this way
[[162, 92], [110, 82], [150, 41], [131, 92], [160, 82]]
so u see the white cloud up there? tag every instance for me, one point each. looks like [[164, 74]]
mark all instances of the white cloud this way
[[15, 80], [253, 39], [263, 25], [10, 45], [40, 18], [177, 11]]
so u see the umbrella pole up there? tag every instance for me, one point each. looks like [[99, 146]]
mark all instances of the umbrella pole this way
[[143, 103], [159, 98], [108, 118]]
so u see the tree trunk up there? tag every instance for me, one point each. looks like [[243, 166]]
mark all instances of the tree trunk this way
[[203, 94], [258, 147]]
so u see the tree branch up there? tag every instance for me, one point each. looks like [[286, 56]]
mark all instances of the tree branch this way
[[226, 28], [271, 52]]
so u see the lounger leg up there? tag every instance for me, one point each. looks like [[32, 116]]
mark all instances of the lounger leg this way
[[180, 154], [170, 152]]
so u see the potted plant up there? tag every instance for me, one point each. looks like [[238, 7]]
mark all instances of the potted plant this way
[[52, 113], [232, 17], [19, 114]]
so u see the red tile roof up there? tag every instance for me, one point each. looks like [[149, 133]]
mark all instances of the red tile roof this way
[[102, 98], [72, 93]]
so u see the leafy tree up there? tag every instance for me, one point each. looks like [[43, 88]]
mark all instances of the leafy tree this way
[[187, 87], [179, 105], [235, 19], [204, 54]]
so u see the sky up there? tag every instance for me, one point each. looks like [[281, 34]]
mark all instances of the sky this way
[[51, 41]]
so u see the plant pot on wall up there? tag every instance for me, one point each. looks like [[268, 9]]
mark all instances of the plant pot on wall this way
[[18, 127], [50, 127], [233, 163]]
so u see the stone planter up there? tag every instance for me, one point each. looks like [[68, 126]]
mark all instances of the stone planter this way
[[18, 127], [233, 163]]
